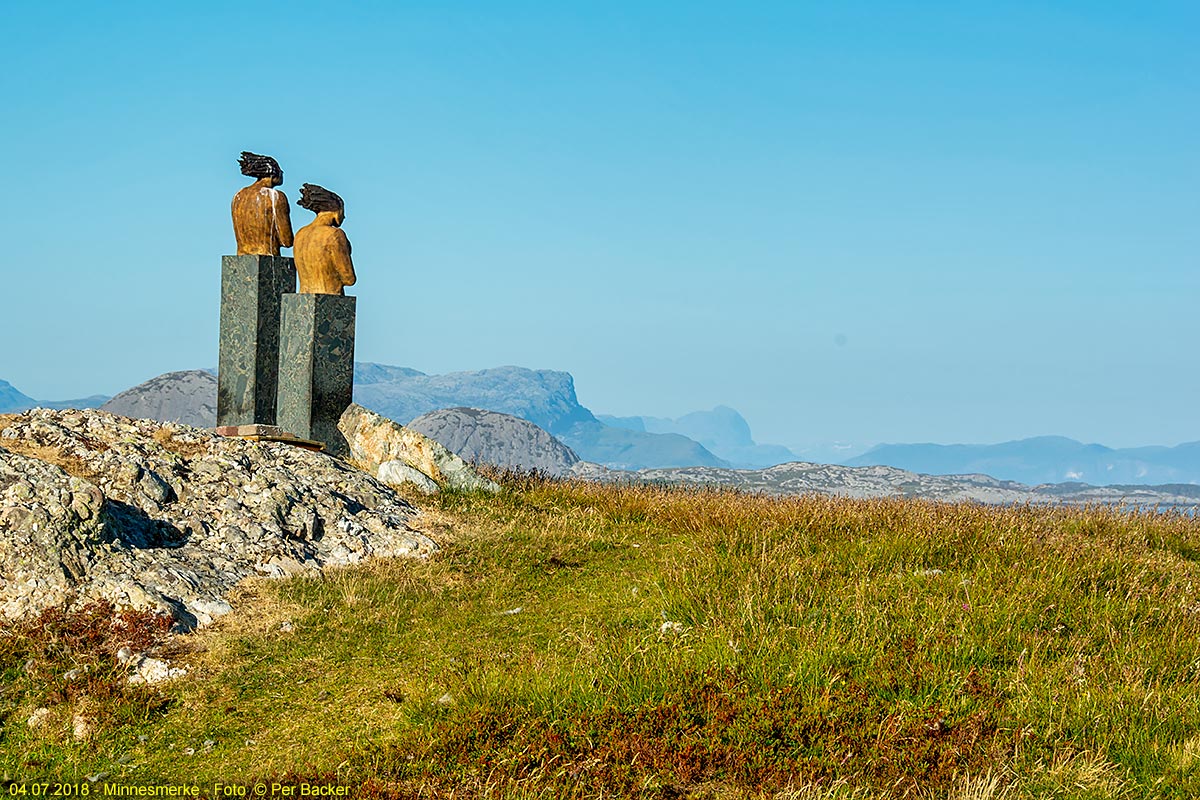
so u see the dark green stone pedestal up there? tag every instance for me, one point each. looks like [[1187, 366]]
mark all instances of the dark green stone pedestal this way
[[316, 366], [248, 362]]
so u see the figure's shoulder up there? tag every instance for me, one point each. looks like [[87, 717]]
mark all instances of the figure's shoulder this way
[[328, 233], [243, 194]]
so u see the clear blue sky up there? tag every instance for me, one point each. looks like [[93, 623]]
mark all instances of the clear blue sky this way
[[857, 221]]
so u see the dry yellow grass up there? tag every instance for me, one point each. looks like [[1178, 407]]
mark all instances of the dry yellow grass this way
[[649, 642]]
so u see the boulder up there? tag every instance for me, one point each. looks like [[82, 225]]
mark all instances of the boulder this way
[[502, 440], [383, 447]]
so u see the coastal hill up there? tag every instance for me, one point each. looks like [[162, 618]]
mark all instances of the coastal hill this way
[[1044, 459], [12, 399]]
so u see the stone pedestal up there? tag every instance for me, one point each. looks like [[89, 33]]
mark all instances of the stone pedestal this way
[[316, 366], [248, 362]]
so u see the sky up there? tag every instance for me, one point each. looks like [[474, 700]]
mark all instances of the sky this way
[[854, 222]]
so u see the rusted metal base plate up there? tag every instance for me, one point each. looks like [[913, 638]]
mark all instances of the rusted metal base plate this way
[[307, 444], [267, 433]]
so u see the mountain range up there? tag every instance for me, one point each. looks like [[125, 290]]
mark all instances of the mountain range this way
[[1044, 459], [544, 397], [11, 400], [717, 439], [722, 430]]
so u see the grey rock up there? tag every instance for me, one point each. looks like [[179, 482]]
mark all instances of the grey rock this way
[[148, 670], [170, 517], [397, 472], [383, 447], [502, 440], [188, 397]]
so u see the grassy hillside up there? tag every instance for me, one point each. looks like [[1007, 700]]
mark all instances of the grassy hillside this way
[[575, 640]]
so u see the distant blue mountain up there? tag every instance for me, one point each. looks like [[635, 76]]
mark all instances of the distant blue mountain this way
[[11, 399], [723, 431], [543, 397], [1044, 459]]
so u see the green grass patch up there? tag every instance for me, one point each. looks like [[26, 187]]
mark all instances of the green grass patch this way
[[576, 640]]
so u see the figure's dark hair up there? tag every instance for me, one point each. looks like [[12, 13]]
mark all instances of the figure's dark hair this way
[[318, 198], [257, 166]]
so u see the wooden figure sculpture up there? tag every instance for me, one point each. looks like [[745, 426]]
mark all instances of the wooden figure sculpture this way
[[261, 220], [322, 249]]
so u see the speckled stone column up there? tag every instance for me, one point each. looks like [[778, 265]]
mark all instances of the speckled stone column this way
[[316, 366], [248, 361]]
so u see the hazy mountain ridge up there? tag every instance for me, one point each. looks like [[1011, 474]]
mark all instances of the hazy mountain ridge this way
[[12, 400], [723, 431], [1045, 460], [544, 397]]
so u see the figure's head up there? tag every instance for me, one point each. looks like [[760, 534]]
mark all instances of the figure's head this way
[[257, 166], [317, 199]]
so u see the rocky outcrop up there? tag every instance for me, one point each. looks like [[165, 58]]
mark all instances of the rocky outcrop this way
[[169, 517], [188, 397], [489, 437], [392, 453]]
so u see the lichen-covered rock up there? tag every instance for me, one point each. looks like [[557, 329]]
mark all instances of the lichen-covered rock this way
[[382, 447], [99, 507], [52, 523]]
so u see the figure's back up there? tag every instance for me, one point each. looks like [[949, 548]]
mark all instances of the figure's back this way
[[261, 221], [323, 262]]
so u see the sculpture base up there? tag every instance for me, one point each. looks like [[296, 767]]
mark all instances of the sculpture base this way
[[267, 433], [248, 360], [316, 366]]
